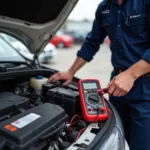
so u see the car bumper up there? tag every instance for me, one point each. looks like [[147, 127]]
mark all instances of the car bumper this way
[[68, 44], [126, 146], [114, 139], [47, 55]]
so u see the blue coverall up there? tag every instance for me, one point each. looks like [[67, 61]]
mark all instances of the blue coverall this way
[[127, 27]]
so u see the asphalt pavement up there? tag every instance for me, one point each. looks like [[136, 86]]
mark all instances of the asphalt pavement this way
[[100, 67]]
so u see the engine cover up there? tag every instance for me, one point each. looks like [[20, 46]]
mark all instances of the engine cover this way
[[11, 103], [25, 130]]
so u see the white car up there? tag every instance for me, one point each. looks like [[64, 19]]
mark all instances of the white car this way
[[48, 53]]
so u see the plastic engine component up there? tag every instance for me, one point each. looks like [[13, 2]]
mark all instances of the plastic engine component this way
[[11, 103], [66, 98], [25, 130]]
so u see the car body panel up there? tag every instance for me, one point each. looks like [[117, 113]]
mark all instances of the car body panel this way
[[37, 28]]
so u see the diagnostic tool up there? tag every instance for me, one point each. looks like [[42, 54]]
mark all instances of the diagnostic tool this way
[[92, 100]]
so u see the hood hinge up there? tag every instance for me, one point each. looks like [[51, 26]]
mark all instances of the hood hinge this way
[[36, 62]]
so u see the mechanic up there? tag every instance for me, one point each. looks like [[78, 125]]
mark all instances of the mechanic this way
[[126, 23]]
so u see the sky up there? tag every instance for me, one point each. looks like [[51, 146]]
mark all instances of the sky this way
[[84, 9]]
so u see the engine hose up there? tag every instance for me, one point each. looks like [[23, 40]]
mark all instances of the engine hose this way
[[51, 147], [53, 132], [56, 147]]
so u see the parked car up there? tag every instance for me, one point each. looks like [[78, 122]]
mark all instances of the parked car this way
[[78, 37], [30, 116], [62, 40], [48, 53]]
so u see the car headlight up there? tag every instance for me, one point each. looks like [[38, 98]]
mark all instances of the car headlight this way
[[115, 141]]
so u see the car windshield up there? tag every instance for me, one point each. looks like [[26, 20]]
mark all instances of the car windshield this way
[[12, 47], [8, 37], [7, 52]]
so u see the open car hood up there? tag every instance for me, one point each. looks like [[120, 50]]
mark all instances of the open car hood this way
[[34, 22]]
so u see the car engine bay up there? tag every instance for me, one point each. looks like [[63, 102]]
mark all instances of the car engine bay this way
[[45, 119]]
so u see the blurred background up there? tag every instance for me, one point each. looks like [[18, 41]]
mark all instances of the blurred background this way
[[61, 51], [75, 29]]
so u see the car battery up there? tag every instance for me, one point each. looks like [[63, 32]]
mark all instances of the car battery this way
[[26, 129], [66, 98], [46, 87]]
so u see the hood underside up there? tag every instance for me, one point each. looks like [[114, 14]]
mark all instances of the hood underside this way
[[34, 22]]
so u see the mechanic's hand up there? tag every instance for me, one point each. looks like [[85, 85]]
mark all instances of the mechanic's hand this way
[[121, 84], [66, 76]]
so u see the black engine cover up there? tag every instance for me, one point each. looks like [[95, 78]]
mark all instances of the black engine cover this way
[[25, 130], [11, 103]]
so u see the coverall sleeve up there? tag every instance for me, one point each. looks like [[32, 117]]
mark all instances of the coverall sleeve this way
[[93, 39], [146, 55]]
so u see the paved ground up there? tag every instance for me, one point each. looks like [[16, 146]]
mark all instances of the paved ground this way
[[100, 67]]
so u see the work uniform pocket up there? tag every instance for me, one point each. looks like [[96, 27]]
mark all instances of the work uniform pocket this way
[[135, 20], [107, 24], [107, 20], [136, 26]]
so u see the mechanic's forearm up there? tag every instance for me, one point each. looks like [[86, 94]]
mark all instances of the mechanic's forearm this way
[[138, 69], [79, 62]]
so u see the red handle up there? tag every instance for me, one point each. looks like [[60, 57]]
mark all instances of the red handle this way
[[102, 91], [105, 90]]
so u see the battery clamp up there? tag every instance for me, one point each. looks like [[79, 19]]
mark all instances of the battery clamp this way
[[92, 100]]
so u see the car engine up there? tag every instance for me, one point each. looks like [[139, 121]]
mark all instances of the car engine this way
[[46, 119]]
